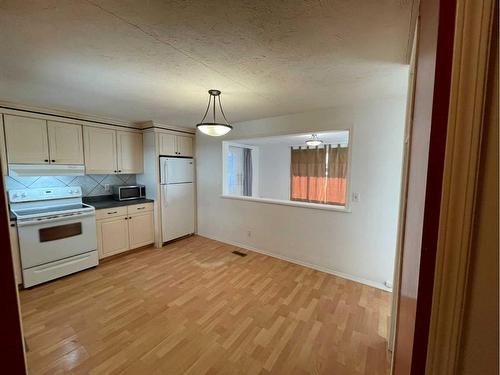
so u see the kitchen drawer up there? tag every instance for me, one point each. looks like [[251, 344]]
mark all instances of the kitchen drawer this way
[[110, 212], [138, 208]]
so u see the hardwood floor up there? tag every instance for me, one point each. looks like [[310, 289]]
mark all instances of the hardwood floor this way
[[192, 307]]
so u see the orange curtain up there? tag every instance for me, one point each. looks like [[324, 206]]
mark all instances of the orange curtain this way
[[299, 170], [337, 175], [308, 174], [312, 180]]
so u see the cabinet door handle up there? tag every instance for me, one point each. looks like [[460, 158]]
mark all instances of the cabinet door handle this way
[[114, 212], [130, 217], [119, 171], [141, 208], [53, 161], [126, 218], [46, 160]]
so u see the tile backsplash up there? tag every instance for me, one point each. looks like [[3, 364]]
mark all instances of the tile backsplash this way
[[92, 184]]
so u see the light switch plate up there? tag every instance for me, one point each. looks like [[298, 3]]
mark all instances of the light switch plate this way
[[356, 197]]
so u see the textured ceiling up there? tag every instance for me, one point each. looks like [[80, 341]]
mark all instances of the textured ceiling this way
[[155, 60]]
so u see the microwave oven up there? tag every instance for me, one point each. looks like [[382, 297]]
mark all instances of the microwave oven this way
[[128, 192]]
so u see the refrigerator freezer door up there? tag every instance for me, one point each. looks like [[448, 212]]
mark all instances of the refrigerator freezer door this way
[[176, 170], [177, 210]]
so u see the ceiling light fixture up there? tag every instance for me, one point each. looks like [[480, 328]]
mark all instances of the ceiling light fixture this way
[[314, 141], [214, 128]]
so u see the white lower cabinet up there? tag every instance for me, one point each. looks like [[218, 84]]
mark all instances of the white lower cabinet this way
[[124, 228], [114, 236], [141, 229]]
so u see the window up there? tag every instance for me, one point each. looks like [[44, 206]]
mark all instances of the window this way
[[240, 167], [283, 169], [319, 175]]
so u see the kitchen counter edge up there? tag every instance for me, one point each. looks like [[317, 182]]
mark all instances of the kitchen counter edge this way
[[110, 203]]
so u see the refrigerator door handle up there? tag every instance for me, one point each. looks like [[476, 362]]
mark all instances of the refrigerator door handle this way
[[164, 171]]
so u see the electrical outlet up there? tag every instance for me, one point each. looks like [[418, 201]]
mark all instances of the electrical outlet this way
[[356, 197], [107, 187]]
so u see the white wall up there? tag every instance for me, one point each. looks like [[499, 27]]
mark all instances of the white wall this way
[[359, 244], [274, 171]]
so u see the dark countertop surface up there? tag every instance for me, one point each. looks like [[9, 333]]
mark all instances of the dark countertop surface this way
[[100, 202], [107, 201]]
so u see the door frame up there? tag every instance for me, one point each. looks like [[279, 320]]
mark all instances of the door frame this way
[[12, 351], [436, 21], [474, 29], [455, 151], [404, 191]]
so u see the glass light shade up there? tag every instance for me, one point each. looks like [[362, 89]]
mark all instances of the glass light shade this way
[[214, 130], [314, 141]]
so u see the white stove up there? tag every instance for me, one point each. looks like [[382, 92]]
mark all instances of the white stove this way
[[57, 232]]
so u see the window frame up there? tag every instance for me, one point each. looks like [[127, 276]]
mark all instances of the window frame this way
[[255, 167], [347, 208]]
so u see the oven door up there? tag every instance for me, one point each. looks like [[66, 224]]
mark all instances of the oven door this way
[[45, 240]]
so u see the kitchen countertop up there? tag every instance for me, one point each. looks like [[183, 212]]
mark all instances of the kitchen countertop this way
[[105, 201], [100, 202]]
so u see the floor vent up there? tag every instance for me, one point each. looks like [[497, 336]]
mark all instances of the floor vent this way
[[236, 252]]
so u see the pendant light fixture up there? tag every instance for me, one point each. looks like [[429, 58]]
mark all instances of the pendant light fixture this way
[[214, 128], [314, 141]]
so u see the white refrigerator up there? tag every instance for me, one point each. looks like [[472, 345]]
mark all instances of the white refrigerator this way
[[177, 197]]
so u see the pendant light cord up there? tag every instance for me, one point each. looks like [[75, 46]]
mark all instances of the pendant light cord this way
[[222, 111], [214, 110], [208, 107], [213, 107]]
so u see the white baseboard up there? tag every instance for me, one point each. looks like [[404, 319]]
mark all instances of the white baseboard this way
[[302, 263]]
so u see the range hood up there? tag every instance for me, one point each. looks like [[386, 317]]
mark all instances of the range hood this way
[[20, 170]]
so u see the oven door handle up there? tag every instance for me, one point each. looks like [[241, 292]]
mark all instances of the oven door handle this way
[[54, 219]]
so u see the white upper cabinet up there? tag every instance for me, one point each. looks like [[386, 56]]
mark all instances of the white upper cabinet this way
[[130, 156], [26, 140], [103, 150], [37, 141], [109, 151], [167, 144], [184, 146], [65, 143], [176, 145], [100, 150]]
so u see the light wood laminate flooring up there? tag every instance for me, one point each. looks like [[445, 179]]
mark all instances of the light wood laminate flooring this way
[[193, 307]]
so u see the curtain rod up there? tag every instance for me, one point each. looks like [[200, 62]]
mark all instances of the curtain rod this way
[[338, 145]]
